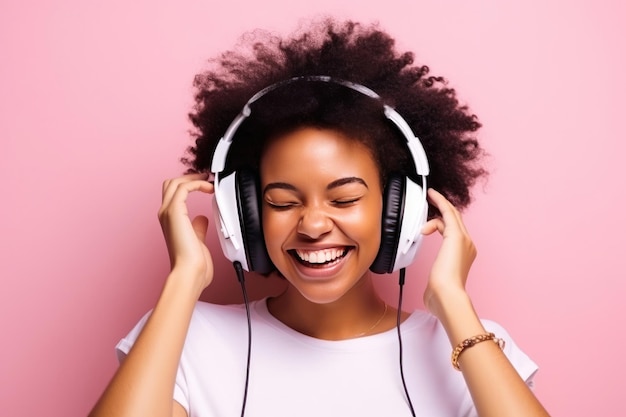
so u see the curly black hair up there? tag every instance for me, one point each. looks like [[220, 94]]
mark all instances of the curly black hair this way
[[351, 51]]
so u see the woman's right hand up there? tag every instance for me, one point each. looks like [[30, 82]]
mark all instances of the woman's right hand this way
[[185, 238]]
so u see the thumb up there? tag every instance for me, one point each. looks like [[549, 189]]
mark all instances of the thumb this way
[[200, 225], [432, 226]]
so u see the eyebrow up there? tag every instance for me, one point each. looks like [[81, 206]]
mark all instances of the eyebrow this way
[[348, 180], [334, 184], [279, 186]]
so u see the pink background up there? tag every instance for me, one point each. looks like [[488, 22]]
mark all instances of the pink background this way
[[93, 104]]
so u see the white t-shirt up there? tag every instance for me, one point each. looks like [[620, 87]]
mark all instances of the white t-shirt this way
[[292, 374]]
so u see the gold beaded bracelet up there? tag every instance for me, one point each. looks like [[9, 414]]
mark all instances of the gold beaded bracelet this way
[[468, 343]]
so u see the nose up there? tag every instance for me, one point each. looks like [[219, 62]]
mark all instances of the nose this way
[[314, 223]]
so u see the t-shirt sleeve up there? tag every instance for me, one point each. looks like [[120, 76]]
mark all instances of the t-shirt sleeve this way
[[123, 347], [526, 367]]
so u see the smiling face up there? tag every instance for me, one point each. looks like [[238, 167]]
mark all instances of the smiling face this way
[[322, 203]]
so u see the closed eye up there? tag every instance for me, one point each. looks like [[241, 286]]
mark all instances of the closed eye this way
[[346, 202], [280, 206]]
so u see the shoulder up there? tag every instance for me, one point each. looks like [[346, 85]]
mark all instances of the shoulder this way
[[221, 318], [207, 322], [209, 311], [208, 317], [427, 325]]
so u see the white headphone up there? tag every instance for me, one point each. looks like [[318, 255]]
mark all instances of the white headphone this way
[[237, 205]]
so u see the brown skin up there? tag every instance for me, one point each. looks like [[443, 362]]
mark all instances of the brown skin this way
[[314, 198], [337, 303]]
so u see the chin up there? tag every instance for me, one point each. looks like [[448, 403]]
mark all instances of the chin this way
[[319, 297], [326, 291]]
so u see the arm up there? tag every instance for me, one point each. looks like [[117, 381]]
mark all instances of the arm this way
[[495, 386], [144, 383]]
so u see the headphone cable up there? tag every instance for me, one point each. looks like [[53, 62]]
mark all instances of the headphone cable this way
[[398, 320], [241, 279]]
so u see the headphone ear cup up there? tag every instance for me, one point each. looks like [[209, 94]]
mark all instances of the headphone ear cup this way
[[393, 211], [249, 206]]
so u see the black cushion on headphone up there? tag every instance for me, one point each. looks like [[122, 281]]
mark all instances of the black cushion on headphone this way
[[249, 205], [393, 211]]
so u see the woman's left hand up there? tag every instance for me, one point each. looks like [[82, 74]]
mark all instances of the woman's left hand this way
[[449, 272]]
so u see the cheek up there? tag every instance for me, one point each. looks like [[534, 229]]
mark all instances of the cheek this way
[[276, 228], [374, 228], [364, 227]]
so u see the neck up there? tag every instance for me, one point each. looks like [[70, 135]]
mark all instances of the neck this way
[[360, 312]]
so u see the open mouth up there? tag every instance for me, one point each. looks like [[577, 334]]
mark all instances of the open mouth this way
[[319, 258]]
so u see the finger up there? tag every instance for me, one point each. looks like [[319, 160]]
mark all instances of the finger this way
[[432, 226], [168, 181], [185, 188], [449, 213], [177, 194], [440, 201], [170, 185]]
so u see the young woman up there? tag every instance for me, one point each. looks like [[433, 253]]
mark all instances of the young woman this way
[[327, 169]]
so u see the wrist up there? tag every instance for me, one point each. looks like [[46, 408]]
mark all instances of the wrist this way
[[456, 313], [185, 283], [442, 301]]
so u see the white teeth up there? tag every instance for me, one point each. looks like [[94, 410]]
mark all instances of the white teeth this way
[[319, 256]]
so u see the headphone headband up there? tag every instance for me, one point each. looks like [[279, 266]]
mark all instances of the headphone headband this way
[[415, 147]]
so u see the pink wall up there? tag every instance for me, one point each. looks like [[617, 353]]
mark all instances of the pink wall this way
[[93, 102]]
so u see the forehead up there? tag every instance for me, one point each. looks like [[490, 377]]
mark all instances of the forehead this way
[[318, 153]]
